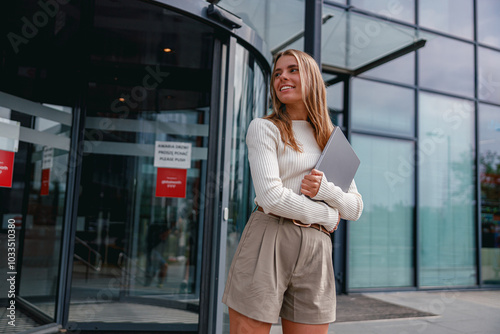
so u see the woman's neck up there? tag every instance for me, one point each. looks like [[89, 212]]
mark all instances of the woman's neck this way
[[297, 112]]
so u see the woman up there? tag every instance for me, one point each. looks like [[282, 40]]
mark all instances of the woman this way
[[283, 264]]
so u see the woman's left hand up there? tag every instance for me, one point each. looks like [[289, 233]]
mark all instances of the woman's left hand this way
[[311, 183]]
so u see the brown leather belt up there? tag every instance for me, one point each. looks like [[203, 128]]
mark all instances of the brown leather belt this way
[[299, 223]]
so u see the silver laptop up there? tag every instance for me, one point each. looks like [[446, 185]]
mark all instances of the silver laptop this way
[[338, 160]]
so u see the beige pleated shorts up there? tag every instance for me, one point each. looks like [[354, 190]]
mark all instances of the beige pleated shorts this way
[[282, 270]]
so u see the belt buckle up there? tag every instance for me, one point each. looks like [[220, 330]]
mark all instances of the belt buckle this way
[[298, 223]]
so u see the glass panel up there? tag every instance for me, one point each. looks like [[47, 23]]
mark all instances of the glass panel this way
[[250, 93], [39, 182], [335, 101], [328, 77], [139, 228], [401, 9], [449, 16], [400, 70], [393, 114], [488, 25], [44, 217], [381, 241], [38, 86], [277, 22], [351, 40], [489, 171], [334, 96], [333, 37], [489, 75], [447, 191], [436, 71]]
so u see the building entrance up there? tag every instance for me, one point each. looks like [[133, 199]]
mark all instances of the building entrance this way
[[138, 240]]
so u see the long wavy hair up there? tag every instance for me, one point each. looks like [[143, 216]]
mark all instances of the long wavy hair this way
[[314, 97]]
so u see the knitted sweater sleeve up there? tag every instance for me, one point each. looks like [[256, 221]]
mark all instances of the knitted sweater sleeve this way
[[349, 204], [263, 140]]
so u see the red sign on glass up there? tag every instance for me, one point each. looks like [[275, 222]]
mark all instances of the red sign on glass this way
[[171, 182], [44, 189], [6, 168]]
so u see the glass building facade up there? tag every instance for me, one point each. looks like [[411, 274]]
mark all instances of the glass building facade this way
[[96, 230]]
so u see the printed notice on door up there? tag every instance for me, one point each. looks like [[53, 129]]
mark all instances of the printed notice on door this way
[[171, 154], [6, 168], [171, 182], [9, 135]]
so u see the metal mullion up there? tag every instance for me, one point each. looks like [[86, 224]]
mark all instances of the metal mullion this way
[[312, 29], [416, 179], [344, 236], [487, 46], [416, 17], [208, 263], [479, 278], [489, 103], [70, 217], [226, 127], [416, 216]]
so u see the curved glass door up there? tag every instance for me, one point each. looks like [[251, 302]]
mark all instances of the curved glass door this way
[[141, 206]]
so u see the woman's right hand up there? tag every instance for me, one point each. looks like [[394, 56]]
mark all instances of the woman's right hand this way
[[311, 183]]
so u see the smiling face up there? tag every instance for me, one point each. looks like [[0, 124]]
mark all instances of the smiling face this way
[[287, 85]]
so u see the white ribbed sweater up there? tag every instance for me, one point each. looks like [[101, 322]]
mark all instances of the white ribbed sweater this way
[[277, 174]]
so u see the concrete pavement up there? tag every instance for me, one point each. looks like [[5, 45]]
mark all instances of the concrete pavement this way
[[455, 311]]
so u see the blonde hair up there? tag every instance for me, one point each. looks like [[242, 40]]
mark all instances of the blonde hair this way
[[314, 97]]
